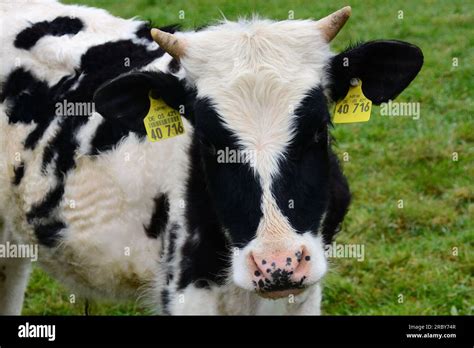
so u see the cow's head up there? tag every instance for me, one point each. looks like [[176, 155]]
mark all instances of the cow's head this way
[[262, 88]]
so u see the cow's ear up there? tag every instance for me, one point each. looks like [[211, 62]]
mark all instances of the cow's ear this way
[[385, 68], [125, 99]]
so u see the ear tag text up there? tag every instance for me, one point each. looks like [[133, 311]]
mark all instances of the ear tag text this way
[[162, 121], [354, 107]]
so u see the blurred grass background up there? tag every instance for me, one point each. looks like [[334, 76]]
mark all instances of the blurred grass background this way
[[408, 251]]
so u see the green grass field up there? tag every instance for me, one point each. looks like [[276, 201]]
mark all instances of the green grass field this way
[[419, 259]]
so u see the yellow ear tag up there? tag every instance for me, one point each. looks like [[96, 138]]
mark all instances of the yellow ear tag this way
[[162, 121], [355, 107]]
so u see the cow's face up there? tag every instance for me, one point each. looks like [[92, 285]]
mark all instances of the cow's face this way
[[261, 117], [260, 93]]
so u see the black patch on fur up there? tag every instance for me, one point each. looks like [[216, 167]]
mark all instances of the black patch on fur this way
[[107, 135], [165, 300], [172, 236], [219, 196], [310, 180], [62, 147], [143, 31], [159, 218], [339, 200], [174, 65], [30, 100], [47, 205], [205, 253], [48, 233], [19, 173], [301, 188], [60, 26], [233, 188]]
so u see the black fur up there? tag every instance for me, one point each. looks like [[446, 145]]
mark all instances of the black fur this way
[[42, 209], [174, 65], [339, 199], [165, 300], [48, 234], [234, 189], [30, 100], [159, 218], [205, 253], [304, 187], [107, 135], [143, 32], [172, 235], [28, 37], [19, 173]]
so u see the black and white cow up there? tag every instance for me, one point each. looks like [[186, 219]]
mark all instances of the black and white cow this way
[[116, 216]]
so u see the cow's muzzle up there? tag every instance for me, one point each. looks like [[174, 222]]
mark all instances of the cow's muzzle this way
[[281, 274]]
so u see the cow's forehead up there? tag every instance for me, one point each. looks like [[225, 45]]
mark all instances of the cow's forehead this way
[[256, 73], [218, 56]]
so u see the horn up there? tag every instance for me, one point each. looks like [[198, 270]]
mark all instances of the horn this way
[[331, 24], [169, 42]]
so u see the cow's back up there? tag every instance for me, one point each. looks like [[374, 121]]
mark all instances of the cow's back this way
[[82, 188]]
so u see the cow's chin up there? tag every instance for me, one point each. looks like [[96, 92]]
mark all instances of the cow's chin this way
[[275, 295]]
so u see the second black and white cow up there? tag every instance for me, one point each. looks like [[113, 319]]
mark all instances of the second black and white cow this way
[[117, 216]]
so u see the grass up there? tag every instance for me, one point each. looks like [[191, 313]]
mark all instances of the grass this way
[[409, 251]]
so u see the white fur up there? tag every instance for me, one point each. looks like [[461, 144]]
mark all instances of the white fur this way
[[192, 301]]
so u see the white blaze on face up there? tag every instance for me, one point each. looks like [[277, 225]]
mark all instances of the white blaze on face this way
[[256, 73]]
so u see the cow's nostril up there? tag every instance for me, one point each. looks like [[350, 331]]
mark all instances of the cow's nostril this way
[[303, 266], [252, 261]]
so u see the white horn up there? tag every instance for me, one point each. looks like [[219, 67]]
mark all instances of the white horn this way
[[331, 24], [170, 43]]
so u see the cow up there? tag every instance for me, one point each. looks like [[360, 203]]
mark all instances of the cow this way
[[116, 216]]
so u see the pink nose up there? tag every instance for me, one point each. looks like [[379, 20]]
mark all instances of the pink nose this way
[[280, 272]]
